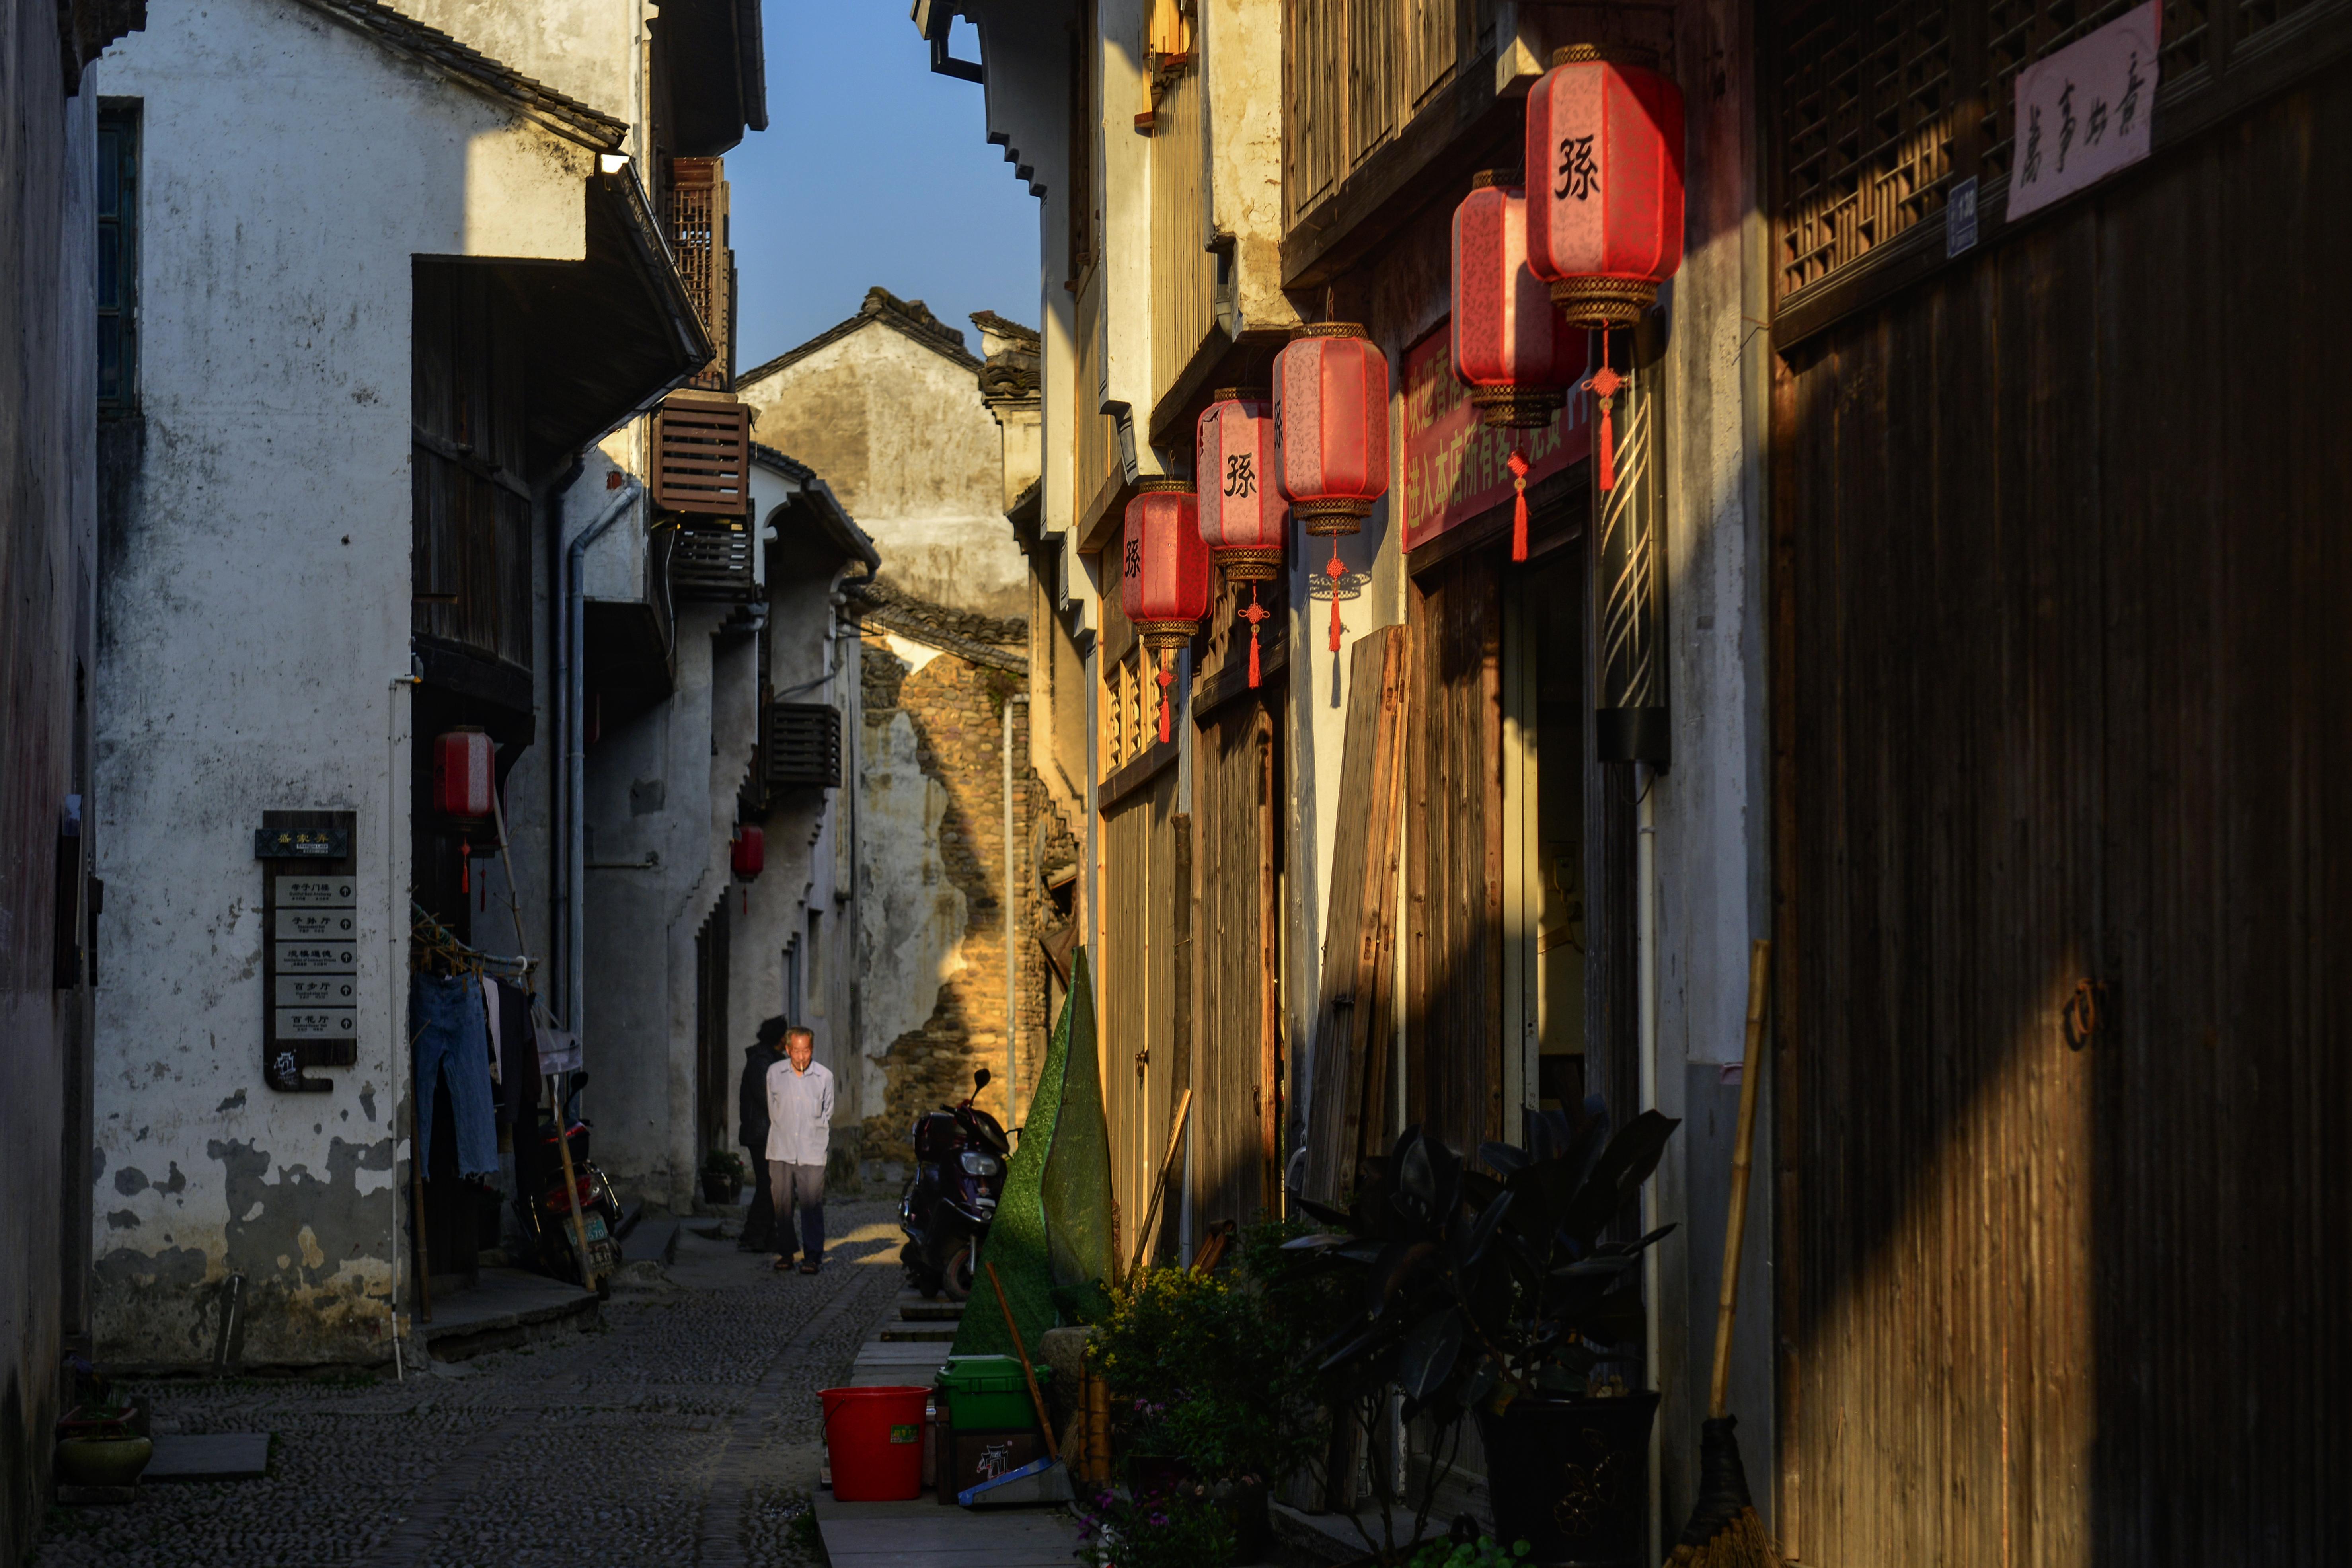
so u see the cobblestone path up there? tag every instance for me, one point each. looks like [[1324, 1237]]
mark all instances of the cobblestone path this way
[[686, 1432]]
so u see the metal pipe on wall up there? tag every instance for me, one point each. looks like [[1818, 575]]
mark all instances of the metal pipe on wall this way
[[570, 678], [1011, 970]]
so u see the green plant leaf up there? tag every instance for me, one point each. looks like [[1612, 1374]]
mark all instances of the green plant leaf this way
[[1430, 1352]]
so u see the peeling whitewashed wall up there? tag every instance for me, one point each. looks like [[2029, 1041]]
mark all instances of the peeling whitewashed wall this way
[[253, 614], [899, 432]]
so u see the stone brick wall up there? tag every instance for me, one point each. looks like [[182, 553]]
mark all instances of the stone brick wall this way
[[954, 706]]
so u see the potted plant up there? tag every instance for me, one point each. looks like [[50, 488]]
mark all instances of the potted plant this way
[[1493, 1295], [1216, 1387], [98, 1446], [723, 1176]]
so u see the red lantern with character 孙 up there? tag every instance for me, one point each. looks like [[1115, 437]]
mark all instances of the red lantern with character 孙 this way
[[1163, 582], [1604, 145], [1331, 434], [1242, 518], [1510, 347]]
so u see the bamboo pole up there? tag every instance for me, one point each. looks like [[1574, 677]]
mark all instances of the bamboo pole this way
[[1159, 1185]]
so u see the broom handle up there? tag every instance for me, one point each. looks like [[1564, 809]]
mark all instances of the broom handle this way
[[1035, 1398], [1743, 1151]]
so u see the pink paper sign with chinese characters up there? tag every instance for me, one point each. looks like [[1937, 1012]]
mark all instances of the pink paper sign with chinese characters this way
[[2085, 111], [1455, 468]]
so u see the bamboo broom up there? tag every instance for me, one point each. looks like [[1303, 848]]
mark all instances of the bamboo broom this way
[[1724, 1529]]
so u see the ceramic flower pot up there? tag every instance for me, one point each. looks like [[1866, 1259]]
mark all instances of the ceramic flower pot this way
[[103, 1461], [1571, 1476]]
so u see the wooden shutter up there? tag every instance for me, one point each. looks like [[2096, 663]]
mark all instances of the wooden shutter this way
[[703, 449]]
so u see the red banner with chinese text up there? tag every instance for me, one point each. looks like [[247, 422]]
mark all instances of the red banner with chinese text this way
[[1455, 468]]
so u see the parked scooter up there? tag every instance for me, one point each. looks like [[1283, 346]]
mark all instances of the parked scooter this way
[[960, 1156], [547, 1207]]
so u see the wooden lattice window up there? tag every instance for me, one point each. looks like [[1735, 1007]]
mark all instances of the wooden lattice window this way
[[1867, 106], [697, 239], [702, 451]]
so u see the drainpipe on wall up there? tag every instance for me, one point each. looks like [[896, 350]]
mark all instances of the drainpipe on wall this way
[[1645, 922], [1012, 996], [572, 683]]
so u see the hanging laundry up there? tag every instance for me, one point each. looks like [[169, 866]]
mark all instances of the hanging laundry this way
[[446, 1016]]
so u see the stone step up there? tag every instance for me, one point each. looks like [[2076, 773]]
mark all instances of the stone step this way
[[942, 1335], [915, 1310], [508, 1307], [654, 1241]]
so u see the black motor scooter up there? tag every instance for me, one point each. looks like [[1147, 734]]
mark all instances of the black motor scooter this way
[[960, 1156]]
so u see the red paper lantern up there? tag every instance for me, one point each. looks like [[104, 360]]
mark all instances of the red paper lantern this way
[[1242, 513], [1510, 347], [1605, 226], [747, 857], [464, 776], [1331, 434], [1163, 582]]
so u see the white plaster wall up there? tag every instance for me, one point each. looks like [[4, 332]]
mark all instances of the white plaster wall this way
[[254, 618], [587, 49], [1242, 79], [900, 434]]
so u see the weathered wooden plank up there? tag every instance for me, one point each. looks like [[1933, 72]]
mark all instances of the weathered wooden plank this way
[[1354, 1013]]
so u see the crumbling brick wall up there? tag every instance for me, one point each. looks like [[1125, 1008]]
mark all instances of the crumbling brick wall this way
[[953, 705]]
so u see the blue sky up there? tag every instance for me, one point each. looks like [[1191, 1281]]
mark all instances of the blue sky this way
[[872, 170]]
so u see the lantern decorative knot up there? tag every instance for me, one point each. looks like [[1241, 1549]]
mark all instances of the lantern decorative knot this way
[[1241, 508], [1331, 434], [1163, 584], [1606, 227]]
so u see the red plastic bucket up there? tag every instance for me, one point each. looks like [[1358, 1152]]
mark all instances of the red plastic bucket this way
[[874, 1437]]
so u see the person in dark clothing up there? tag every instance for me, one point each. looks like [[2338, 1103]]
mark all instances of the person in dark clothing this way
[[751, 1132]]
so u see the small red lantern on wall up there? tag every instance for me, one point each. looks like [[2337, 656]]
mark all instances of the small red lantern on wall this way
[[747, 857], [1163, 582], [1241, 512], [1331, 434], [1605, 146], [1510, 347], [465, 774]]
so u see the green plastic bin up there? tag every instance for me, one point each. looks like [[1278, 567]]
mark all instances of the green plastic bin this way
[[988, 1392]]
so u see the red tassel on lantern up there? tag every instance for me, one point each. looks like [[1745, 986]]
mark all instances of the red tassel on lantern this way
[[1254, 614], [1164, 577], [1518, 463], [1606, 384]]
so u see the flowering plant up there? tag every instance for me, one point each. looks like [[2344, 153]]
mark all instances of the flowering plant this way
[[1183, 1527]]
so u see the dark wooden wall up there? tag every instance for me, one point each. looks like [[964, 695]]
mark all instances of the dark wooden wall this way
[[1454, 854], [2062, 565]]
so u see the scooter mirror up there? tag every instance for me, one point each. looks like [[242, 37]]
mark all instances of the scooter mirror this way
[[979, 1080]]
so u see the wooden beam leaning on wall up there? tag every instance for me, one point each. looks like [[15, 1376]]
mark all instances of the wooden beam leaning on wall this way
[[1355, 1012]]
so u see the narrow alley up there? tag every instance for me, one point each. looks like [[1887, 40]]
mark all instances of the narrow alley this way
[[1175, 784]]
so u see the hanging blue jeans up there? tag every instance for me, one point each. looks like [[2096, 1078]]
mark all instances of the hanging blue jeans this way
[[453, 1045]]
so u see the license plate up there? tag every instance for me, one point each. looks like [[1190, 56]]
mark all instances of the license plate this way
[[596, 1223]]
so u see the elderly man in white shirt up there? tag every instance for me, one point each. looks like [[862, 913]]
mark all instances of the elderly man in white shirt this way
[[799, 1125]]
